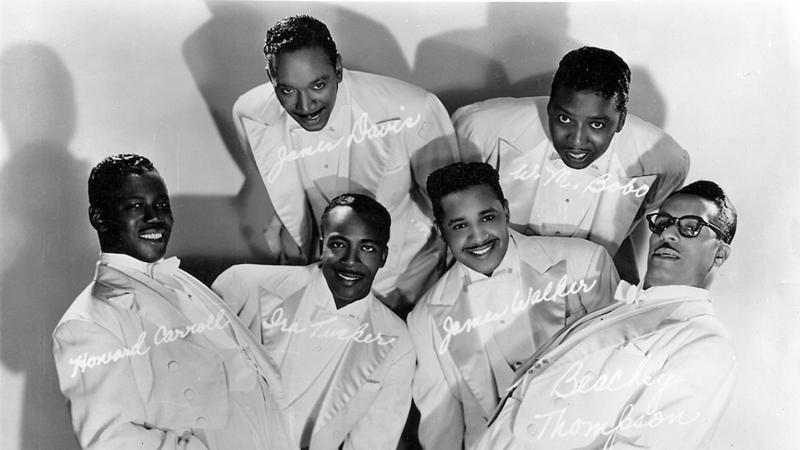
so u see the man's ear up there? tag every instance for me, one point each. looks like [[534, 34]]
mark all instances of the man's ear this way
[[384, 253], [622, 117], [505, 209], [438, 227], [722, 254], [338, 67], [97, 220]]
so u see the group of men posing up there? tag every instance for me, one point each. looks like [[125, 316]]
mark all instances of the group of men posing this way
[[505, 236]]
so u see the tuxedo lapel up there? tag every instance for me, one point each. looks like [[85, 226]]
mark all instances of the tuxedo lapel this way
[[466, 347], [152, 300], [368, 155], [520, 165], [545, 316], [357, 377], [272, 149], [315, 344]]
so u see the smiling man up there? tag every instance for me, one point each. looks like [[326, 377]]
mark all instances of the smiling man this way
[[506, 295], [316, 130], [655, 370], [126, 387], [346, 358], [576, 163]]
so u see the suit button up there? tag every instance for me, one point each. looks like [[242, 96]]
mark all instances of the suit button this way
[[537, 365], [172, 366], [532, 429], [201, 421], [189, 394], [485, 419]]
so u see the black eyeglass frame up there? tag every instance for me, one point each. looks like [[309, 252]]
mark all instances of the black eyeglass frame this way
[[658, 229]]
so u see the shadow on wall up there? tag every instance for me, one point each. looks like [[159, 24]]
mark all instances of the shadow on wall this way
[[47, 243]]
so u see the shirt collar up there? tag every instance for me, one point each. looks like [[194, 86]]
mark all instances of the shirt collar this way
[[629, 293], [509, 264], [123, 261]]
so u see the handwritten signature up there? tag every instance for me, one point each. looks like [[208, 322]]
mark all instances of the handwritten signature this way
[[162, 335], [573, 383], [560, 428], [319, 330], [453, 327], [560, 177], [362, 130]]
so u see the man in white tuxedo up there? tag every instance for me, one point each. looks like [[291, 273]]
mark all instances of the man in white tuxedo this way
[[655, 370], [576, 163], [506, 295], [147, 356], [317, 130], [346, 359]]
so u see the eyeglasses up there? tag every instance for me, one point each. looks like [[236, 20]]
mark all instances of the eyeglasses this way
[[688, 226]]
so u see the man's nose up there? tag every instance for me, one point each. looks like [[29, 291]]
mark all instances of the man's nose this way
[[670, 233], [304, 103], [577, 136]]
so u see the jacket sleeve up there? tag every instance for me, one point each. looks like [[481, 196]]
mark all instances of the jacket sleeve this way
[[441, 424], [382, 425], [681, 406], [105, 403]]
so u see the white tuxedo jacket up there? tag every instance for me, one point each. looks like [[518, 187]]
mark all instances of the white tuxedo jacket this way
[[367, 401], [158, 398], [512, 134], [656, 374], [411, 136], [457, 390]]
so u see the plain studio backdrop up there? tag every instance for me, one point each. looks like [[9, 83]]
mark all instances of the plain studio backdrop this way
[[84, 79]]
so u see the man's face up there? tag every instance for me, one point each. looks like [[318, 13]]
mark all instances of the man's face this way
[[677, 260], [352, 253], [138, 220], [306, 83], [475, 227], [582, 125]]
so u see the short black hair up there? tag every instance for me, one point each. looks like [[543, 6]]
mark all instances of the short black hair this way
[[725, 218], [106, 176], [367, 208], [295, 33], [457, 177], [597, 70]]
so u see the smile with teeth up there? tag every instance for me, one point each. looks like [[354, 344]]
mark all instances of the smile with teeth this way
[[152, 236], [348, 276], [578, 156], [481, 250]]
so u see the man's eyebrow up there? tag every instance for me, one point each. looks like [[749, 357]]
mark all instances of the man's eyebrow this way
[[454, 220], [324, 77]]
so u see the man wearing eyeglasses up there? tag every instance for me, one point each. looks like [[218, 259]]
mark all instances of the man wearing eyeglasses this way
[[654, 370]]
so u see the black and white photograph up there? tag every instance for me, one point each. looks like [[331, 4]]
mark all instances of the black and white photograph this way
[[479, 225]]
